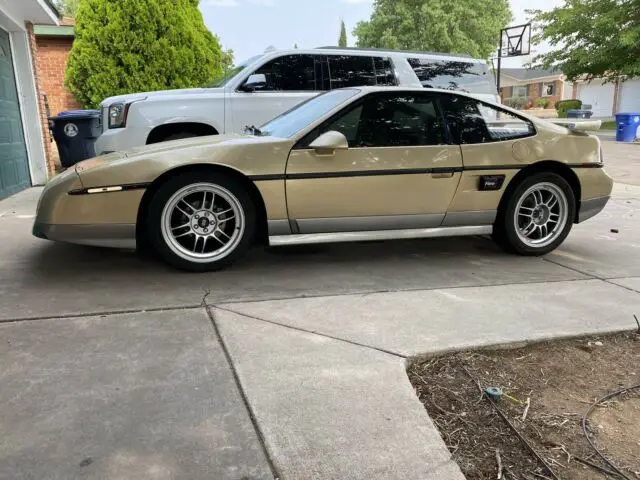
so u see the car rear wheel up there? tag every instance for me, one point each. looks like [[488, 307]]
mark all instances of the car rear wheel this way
[[538, 215], [201, 223]]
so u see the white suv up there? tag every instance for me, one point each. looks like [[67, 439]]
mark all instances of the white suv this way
[[267, 85]]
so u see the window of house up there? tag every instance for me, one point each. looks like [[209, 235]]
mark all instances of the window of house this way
[[471, 121], [519, 91], [388, 120], [548, 89], [291, 73]]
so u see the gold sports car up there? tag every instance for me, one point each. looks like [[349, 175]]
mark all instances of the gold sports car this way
[[349, 165]]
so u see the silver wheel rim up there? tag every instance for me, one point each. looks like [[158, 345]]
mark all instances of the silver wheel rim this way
[[202, 222], [541, 214]]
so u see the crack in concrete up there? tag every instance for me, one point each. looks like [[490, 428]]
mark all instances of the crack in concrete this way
[[102, 313], [312, 332], [243, 395]]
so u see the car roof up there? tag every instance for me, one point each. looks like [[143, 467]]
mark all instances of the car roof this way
[[369, 51], [370, 89]]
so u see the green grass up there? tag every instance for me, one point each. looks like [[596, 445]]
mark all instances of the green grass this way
[[608, 125]]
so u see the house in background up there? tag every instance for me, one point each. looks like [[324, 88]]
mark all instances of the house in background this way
[[54, 43], [23, 160], [532, 84], [605, 98]]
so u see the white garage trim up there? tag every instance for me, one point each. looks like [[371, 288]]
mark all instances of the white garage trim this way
[[27, 97]]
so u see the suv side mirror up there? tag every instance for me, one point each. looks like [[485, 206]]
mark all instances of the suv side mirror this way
[[255, 82], [329, 142]]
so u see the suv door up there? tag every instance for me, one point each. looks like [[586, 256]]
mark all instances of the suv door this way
[[289, 80], [399, 172]]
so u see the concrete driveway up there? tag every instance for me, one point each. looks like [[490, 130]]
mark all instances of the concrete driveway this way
[[289, 365]]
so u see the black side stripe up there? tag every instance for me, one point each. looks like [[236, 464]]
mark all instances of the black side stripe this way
[[400, 171], [129, 186]]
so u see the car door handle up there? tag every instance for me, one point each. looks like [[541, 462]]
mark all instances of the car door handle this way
[[442, 175]]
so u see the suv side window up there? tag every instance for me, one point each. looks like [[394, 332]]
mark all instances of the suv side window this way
[[471, 121], [385, 74], [387, 120], [453, 75], [293, 73], [351, 71]]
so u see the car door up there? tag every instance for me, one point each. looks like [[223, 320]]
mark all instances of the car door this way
[[399, 172], [495, 145], [286, 81]]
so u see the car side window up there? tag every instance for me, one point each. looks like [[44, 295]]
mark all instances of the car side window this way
[[388, 120], [293, 73], [471, 121]]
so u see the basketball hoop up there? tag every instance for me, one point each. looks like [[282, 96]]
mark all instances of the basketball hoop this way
[[515, 41]]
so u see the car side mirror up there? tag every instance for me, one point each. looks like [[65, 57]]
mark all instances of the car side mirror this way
[[329, 142], [255, 82]]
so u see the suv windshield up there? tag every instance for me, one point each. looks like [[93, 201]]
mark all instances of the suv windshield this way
[[303, 115], [222, 80]]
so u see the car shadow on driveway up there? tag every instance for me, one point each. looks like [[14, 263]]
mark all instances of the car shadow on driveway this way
[[47, 279]]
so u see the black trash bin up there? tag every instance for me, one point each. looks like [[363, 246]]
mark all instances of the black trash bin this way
[[75, 133], [579, 113]]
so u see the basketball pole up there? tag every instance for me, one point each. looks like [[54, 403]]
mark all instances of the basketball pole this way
[[499, 68]]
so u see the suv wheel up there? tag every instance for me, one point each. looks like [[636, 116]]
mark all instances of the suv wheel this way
[[538, 216], [199, 223]]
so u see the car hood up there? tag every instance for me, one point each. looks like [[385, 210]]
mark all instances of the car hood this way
[[244, 153], [160, 95]]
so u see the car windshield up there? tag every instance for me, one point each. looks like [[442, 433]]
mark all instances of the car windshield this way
[[303, 115], [222, 80]]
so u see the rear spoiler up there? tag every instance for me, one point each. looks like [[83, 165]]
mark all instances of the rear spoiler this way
[[577, 125]]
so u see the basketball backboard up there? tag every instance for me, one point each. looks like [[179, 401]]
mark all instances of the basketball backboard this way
[[515, 41]]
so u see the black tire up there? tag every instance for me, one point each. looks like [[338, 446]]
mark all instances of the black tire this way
[[180, 136], [166, 192], [505, 230]]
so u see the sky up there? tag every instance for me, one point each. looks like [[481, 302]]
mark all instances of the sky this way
[[248, 27]]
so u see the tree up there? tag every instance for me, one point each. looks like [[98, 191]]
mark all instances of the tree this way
[[465, 26], [131, 46], [295, 46], [592, 38], [67, 8], [342, 41]]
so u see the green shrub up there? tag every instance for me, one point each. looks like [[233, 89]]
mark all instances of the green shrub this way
[[562, 106], [542, 102], [129, 46], [516, 102]]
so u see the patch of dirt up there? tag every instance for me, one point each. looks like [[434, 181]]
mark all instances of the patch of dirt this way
[[561, 379]]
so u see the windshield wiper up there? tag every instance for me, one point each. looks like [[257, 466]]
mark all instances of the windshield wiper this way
[[252, 130]]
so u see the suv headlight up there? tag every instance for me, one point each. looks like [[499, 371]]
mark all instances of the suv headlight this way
[[117, 114]]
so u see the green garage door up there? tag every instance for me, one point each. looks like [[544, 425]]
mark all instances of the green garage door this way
[[14, 169]]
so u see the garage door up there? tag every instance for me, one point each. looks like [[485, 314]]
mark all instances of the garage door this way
[[599, 95], [14, 169], [630, 96]]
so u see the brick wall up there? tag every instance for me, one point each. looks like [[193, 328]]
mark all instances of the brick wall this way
[[52, 57], [37, 73]]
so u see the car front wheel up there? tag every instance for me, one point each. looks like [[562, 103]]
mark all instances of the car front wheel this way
[[201, 224], [538, 216]]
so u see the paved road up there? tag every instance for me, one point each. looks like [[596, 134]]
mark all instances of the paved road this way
[[290, 364]]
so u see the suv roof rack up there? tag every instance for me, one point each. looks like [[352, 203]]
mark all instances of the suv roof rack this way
[[439, 54]]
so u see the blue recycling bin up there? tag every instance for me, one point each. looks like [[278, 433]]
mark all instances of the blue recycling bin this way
[[75, 133], [627, 127]]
